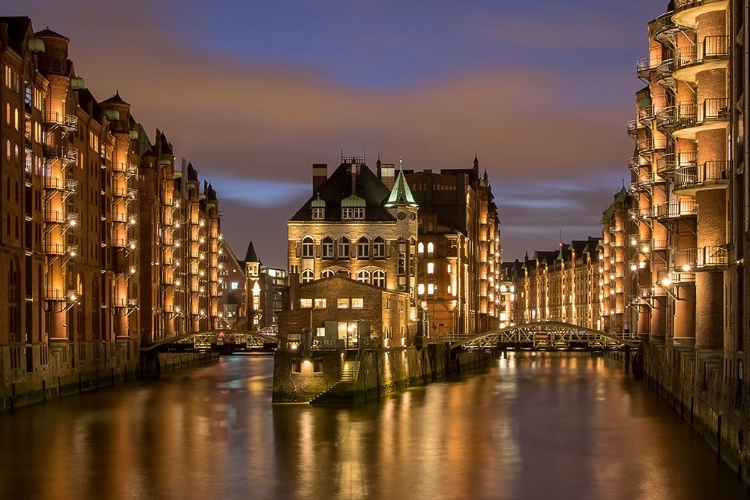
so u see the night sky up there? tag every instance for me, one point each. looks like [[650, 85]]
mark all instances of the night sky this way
[[253, 93]]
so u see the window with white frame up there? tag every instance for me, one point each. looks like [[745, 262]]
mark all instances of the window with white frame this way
[[327, 247], [318, 213], [378, 278], [363, 248], [320, 303], [378, 248], [327, 273], [305, 303], [430, 249], [430, 268], [358, 303], [363, 276], [308, 247], [307, 276], [353, 213], [342, 303], [344, 247]]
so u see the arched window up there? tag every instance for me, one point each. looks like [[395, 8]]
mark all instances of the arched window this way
[[17, 122], [378, 248], [7, 113], [327, 247], [308, 247], [430, 249], [378, 278], [363, 276], [307, 276], [327, 273], [363, 248], [344, 247], [420, 248]]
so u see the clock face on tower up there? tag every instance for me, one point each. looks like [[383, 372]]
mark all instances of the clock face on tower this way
[[402, 215]]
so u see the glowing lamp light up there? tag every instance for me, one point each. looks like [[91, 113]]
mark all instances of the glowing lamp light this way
[[645, 249], [686, 268], [666, 282]]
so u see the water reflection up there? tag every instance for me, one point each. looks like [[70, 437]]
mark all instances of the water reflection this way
[[533, 426]]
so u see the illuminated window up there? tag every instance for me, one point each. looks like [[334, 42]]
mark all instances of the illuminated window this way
[[320, 303], [430, 249], [430, 289], [358, 303], [401, 264], [420, 247], [363, 276], [420, 289], [320, 331], [305, 303], [378, 278], [344, 247], [234, 285], [430, 268], [342, 303], [307, 276]]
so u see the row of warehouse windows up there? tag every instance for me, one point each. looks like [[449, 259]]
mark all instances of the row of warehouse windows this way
[[344, 249], [376, 277]]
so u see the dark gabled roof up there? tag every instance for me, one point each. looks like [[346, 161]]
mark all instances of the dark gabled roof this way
[[87, 100], [115, 99], [49, 33], [339, 186], [18, 26], [251, 256], [348, 283], [545, 257]]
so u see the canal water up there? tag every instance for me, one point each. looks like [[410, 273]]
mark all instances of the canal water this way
[[533, 426]]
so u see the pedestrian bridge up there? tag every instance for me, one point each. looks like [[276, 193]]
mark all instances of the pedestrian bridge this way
[[549, 336], [216, 340]]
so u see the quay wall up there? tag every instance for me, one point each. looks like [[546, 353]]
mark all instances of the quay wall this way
[[319, 376], [691, 381], [63, 372]]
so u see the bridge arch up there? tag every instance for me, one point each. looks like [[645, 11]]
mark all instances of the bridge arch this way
[[550, 336]]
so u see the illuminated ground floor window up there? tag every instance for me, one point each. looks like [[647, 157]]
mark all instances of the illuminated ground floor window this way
[[348, 333]]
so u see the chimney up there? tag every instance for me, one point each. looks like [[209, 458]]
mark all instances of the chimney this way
[[320, 174], [387, 174]]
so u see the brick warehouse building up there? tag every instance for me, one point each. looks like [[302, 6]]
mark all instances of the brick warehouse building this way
[[459, 250], [354, 226], [103, 240]]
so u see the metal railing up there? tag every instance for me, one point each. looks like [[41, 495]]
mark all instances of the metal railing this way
[[711, 172], [712, 47], [712, 257], [69, 122]]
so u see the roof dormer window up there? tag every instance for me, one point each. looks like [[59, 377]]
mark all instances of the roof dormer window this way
[[318, 209], [353, 208]]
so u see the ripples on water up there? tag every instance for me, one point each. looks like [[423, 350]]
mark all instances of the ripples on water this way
[[548, 426]]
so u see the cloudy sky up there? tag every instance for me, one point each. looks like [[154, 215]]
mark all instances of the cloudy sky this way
[[254, 92]]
